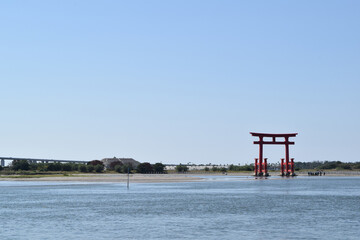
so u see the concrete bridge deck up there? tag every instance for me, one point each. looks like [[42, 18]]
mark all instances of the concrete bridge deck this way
[[36, 160]]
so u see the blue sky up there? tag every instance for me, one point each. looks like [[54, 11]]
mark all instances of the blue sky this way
[[179, 81]]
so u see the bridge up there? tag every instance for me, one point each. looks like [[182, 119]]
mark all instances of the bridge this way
[[39, 160]]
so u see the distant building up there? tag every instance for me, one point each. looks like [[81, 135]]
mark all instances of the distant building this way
[[125, 161], [131, 161]]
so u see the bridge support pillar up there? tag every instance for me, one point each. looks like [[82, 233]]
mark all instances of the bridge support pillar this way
[[2, 162]]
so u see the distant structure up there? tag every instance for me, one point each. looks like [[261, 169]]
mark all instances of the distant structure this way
[[125, 161], [261, 166], [38, 160]]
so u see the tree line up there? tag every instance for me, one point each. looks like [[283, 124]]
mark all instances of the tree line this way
[[315, 165], [147, 168], [150, 168], [92, 166], [328, 165], [24, 165]]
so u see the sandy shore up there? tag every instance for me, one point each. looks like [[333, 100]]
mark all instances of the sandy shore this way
[[139, 178], [155, 178]]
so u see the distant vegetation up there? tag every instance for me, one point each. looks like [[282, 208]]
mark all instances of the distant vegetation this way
[[24, 165], [315, 165], [181, 168], [97, 166], [219, 169], [92, 166], [327, 165], [241, 168], [119, 167], [96, 162], [150, 168]]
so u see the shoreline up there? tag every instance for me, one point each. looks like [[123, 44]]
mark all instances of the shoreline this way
[[154, 178], [111, 178]]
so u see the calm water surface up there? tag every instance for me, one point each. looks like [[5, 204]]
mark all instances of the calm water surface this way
[[219, 208]]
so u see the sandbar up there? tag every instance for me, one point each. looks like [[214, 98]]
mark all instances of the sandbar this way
[[138, 178], [153, 178]]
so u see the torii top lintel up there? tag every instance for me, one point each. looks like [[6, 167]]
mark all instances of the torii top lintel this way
[[274, 136]]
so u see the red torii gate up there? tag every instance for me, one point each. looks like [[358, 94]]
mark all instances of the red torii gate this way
[[261, 166]]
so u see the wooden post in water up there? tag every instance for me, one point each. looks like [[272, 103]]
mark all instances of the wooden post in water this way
[[128, 179]]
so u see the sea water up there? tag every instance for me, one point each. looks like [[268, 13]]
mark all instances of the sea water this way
[[217, 208]]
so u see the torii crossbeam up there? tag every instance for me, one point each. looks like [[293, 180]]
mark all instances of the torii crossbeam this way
[[261, 166]]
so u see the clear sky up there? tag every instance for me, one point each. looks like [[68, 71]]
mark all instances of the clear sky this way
[[179, 81]]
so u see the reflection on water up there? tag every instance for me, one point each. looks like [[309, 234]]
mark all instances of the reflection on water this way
[[220, 208]]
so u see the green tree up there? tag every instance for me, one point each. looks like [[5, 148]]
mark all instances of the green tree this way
[[181, 168], [67, 167], [99, 168], [215, 169], [329, 165], [33, 166], [118, 168], [246, 168], [241, 168], [127, 167], [41, 167], [75, 167], [232, 167], [159, 168], [357, 165], [20, 165], [346, 166], [82, 168], [144, 168], [54, 167], [223, 169], [90, 168]]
